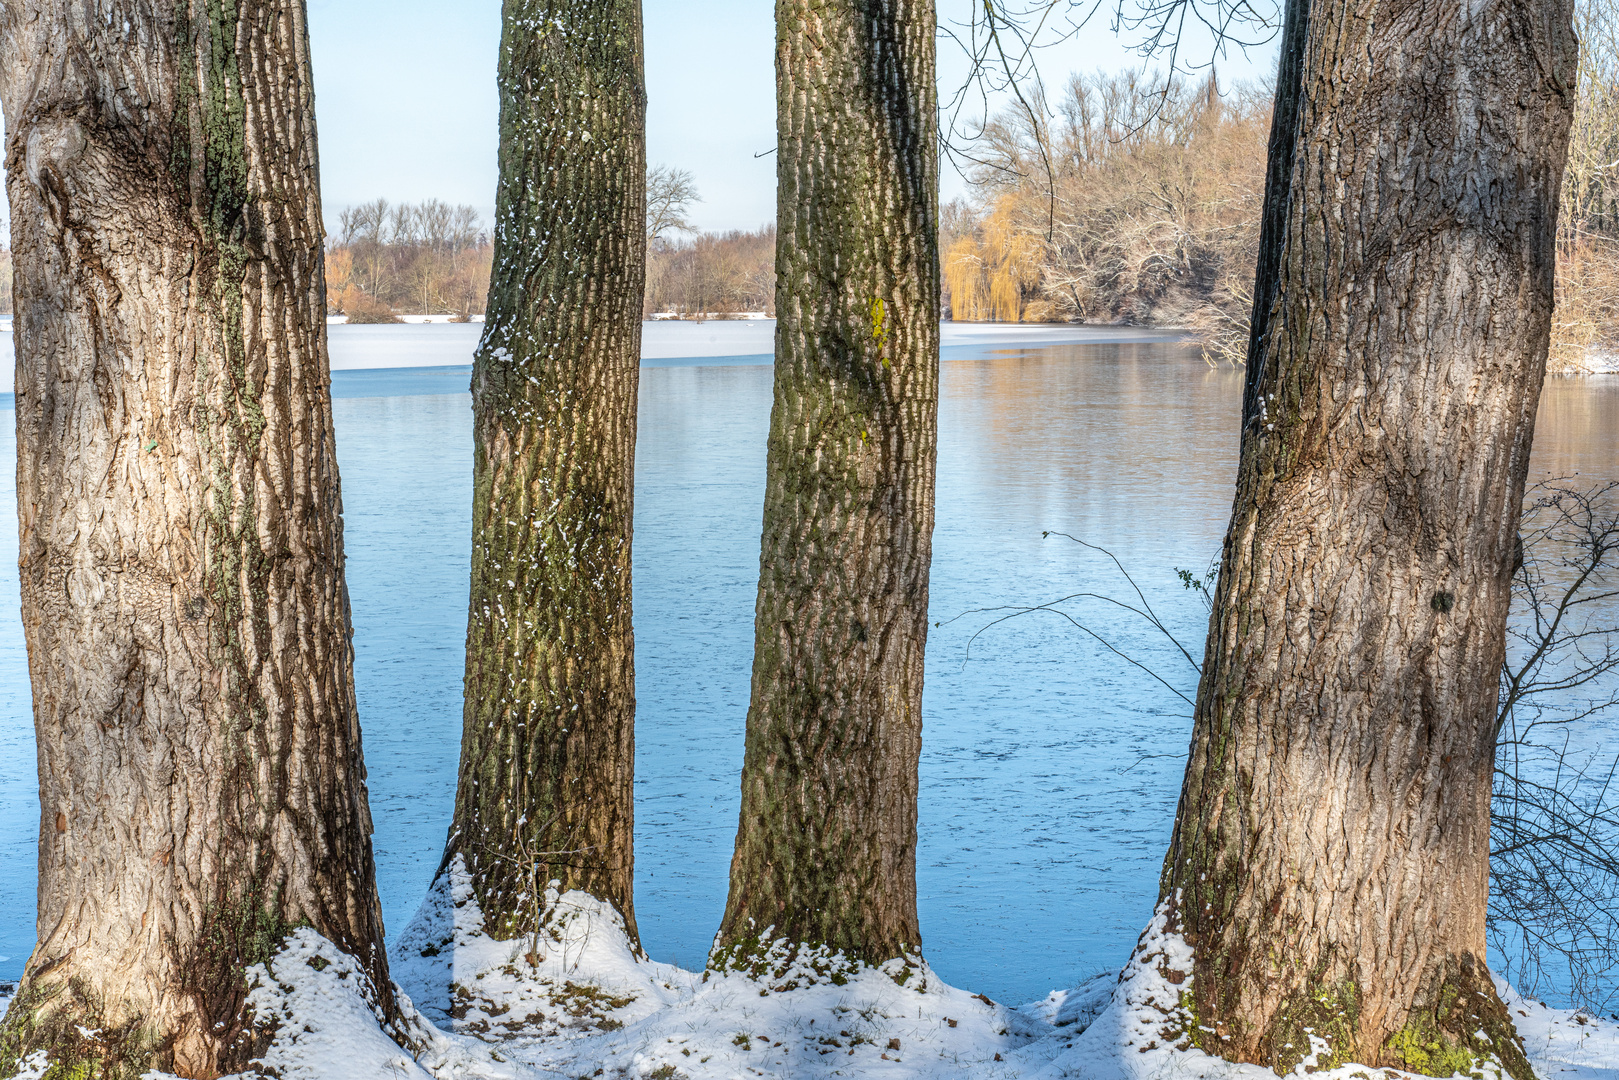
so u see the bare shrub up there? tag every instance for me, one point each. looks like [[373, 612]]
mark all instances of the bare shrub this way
[[711, 273], [1148, 213]]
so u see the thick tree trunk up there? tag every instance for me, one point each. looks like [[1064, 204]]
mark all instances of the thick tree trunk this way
[[1330, 863], [826, 848], [201, 784], [548, 744]]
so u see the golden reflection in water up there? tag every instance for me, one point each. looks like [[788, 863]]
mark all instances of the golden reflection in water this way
[[1577, 431]]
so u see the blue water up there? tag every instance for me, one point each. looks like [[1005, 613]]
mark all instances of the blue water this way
[[1050, 769]]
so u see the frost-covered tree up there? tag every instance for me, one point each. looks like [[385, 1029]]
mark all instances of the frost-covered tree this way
[[1330, 859], [548, 744], [187, 622], [826, 848]]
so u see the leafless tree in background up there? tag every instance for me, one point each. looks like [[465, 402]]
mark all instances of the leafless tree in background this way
[[670, 193], [1157, 187], [1585, 332]]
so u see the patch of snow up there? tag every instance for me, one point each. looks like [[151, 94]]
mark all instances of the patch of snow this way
[[1594, 363], [34, 1066], [576, 999], [1080, 1005], [586, 1000], [1564, 1044]]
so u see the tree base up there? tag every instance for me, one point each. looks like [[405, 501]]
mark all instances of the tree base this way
[[1462, 1028], [782, 965], [73, 1035]]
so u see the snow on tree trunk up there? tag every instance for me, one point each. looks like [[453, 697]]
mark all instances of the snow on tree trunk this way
[[548, 743], [826, 847], [201, 783], [1330, 861]]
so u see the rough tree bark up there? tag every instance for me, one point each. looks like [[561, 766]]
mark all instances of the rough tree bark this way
[[826, 847], [1330, 860], [201, 784], [548, 743]]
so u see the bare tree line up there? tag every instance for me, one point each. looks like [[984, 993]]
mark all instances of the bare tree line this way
[[429, 258], [1148, 213], [712, 273], [1586, 324], [1137, 199]]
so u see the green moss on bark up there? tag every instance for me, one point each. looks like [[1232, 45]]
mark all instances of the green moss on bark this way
[[1463, 1030], [68, 1022], [1328, 1013]]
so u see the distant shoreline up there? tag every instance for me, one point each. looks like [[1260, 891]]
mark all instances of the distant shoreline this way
[[441, 350], [671, 342]]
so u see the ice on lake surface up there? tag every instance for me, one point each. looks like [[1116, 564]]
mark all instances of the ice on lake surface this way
[[1049, 769]]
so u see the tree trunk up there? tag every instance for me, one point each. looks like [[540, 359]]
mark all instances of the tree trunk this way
[[826, 847], [201, 783], [1330, 862], [548, 745]]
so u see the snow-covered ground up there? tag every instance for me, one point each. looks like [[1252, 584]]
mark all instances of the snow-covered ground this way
[[575, 1001], [1597, 363], [670, 339], [342, 320], [662, 316]]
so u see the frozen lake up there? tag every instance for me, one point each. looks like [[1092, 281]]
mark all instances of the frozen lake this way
[[1050, 769]]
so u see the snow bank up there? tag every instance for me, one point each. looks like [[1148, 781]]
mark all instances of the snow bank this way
[[577, 1000], [585, 1000], [1564, 1045]]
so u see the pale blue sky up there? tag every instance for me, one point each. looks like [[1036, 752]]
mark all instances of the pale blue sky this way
[[406, 105]]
